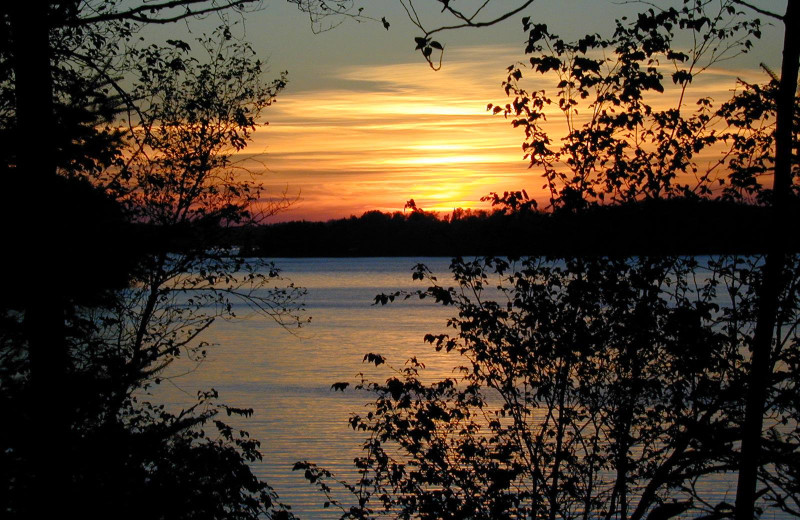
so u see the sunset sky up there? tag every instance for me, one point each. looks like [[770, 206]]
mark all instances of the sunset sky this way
[[404, 132], [365, 124]]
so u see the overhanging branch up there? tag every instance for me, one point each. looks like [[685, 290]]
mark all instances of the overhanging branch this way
[[148, 12], [470, 23], [758, 9]]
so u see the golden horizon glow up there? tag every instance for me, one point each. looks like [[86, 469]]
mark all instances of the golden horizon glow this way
[[401, 131]]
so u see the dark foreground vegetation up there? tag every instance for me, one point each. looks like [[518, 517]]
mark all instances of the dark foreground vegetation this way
[[110, 147], [596, 387], [618, 387], [659, 227]]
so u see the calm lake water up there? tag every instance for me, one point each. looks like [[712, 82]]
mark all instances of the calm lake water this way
[[286, 377]]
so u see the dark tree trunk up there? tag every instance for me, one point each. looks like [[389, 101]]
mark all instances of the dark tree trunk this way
[[769, 292], [36, 195]]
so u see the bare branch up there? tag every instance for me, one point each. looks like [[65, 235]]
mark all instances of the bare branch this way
[[148, 13], [758, 9], [469, 21]]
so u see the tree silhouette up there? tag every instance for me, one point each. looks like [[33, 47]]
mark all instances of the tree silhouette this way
[[783, 194], [131, 213], [119, 204], [607, 386], [676, 143]]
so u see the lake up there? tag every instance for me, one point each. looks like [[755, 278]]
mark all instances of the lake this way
[[286, 376]]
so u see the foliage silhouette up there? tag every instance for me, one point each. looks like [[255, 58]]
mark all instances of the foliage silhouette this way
[[137, 282], [591, 387], [609, 387], [84, 338]]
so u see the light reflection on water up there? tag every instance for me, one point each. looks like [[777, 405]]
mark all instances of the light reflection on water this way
[[286, 376]]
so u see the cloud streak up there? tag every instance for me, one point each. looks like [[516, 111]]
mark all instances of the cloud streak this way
[[404, 131]]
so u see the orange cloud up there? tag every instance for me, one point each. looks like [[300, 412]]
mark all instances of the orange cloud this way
[[400, 131]]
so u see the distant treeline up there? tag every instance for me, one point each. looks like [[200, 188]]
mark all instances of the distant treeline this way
[[655, 227]]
